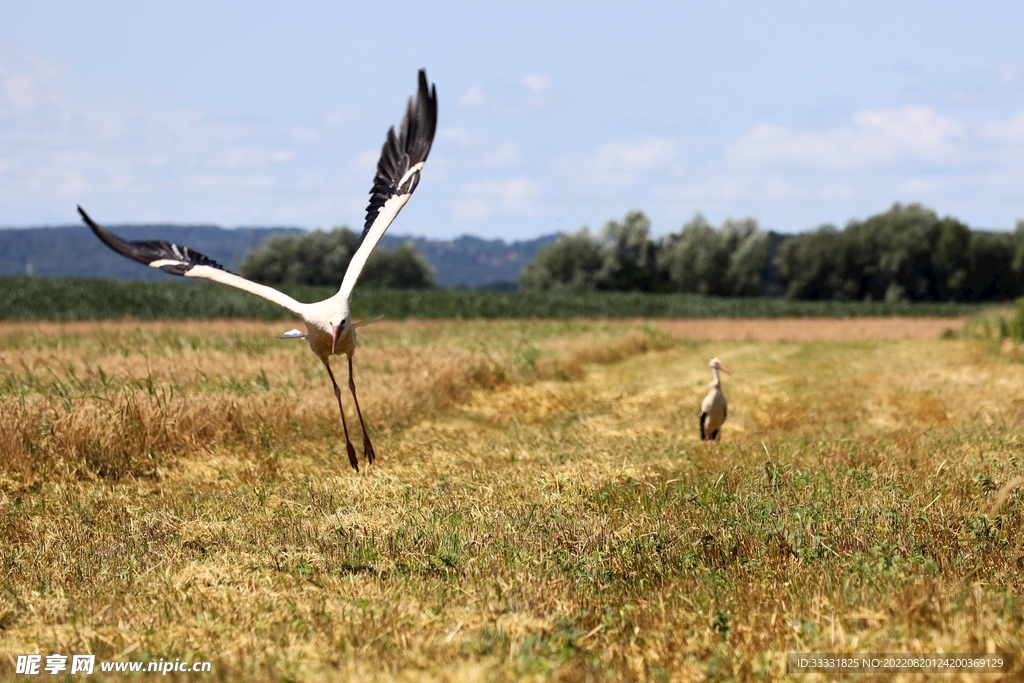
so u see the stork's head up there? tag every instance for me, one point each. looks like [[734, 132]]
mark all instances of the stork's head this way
[[338, 321], [716, 364]]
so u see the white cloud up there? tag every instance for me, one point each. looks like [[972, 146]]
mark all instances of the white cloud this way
[[303, 136], [532, 92], [537, 83], [841, 192], [234, 183], [64, 177], [239, 158], [1008, 130], [367, 160], [620, 163], [341, 116], [483, 199], [506, 155], [458, 135], [56, 148], [34, 85], [915, 187], [539, 86], [243, 157], [876, 137], [474, 97], [740, 187], [1008, 72]]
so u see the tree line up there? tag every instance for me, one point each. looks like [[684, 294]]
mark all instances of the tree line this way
[[727, 261], [907, 253], [320, 258]]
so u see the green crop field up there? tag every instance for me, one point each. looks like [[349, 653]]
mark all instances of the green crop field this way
[[541, 506], [61, 299]]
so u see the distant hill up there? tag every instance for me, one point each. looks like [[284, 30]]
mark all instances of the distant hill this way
[[73, 251], [476, 263]]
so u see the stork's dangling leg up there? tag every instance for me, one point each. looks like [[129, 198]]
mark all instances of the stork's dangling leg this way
[[348, 442], [367, 446]]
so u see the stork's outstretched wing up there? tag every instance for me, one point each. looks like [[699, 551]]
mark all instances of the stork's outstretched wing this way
[[179, 260], [398, 173]]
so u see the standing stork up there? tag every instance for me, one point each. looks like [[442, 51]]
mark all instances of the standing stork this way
[[329, 329], [713, 409]]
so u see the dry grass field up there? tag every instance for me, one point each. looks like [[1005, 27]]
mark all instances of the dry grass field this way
[[541, 508]]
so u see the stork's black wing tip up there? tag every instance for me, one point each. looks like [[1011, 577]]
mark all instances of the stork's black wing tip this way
[[403, 150], [174, 259], [91, 223]]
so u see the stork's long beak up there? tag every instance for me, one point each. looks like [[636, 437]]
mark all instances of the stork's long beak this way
[[336, 330], [723, 369]]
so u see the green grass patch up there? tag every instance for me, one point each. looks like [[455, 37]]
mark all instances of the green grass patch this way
[[61, 299]]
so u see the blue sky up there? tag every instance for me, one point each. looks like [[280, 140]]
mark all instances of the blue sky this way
[[552, 115]]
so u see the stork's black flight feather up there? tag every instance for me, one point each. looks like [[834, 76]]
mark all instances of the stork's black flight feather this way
[[401, 153], [168, 257]]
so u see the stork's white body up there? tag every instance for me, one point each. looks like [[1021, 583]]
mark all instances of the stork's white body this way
[[329, 328], [713, 409]]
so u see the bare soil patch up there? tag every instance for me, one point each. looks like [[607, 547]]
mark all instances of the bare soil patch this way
[[810, 329]]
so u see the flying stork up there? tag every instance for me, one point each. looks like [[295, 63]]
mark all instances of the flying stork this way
[[713, 408], [329, 328]]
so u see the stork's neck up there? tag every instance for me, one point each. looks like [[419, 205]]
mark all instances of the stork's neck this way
[[335, 305], [341, 299], [717, 381]]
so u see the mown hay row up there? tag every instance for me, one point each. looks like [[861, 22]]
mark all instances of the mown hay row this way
[[98, 410]]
